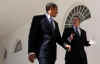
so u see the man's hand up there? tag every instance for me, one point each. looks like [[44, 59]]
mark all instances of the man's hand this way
[[68, 47], [32, 57], [92, 42], [71, 36]]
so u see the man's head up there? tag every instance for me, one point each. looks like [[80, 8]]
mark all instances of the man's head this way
[[76, 21], [52, 9]]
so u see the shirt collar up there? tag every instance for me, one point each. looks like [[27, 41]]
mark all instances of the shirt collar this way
[[47, 15], [77, 27]]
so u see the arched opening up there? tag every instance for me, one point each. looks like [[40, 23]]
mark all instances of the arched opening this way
[[81, 11]]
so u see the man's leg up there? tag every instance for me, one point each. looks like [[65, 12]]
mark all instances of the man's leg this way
[[46, 61]]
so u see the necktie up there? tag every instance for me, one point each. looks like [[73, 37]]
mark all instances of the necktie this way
[[52, 22], [77, 32]]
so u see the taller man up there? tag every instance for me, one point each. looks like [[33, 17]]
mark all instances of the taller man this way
[[44, 34]]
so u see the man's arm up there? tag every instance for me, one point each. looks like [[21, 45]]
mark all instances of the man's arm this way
[[86, 42], [66, 35], [32, 47], [58, 39], [66, 38], [32, 41]]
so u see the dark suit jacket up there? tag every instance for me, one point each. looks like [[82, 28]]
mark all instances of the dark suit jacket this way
[[83, 39], [77, 54], [41, 33]]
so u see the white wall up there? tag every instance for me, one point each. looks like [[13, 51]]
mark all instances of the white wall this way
[[91, 26], [10, 41]]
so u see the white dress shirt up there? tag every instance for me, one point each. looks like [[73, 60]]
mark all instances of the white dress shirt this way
[[78, 29]]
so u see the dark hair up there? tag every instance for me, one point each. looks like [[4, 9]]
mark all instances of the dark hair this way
[[76, 17], [50, 5]]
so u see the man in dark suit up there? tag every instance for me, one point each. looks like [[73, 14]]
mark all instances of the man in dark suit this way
[[75, 39], [44, 34]]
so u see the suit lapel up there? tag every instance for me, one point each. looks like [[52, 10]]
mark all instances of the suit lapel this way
[[48, 24], [73, 31], [81, 32]]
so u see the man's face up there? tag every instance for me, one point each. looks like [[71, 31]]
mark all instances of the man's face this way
[[53, 11], [76, 21]]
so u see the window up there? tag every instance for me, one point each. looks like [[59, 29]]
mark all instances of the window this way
[[81, 11]]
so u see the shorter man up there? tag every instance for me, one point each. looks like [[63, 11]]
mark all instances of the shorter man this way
[[75, 40]]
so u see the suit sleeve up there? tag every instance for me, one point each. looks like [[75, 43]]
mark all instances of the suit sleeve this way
[[58, 39], [32, 39], [86, 42], [65, 36]]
